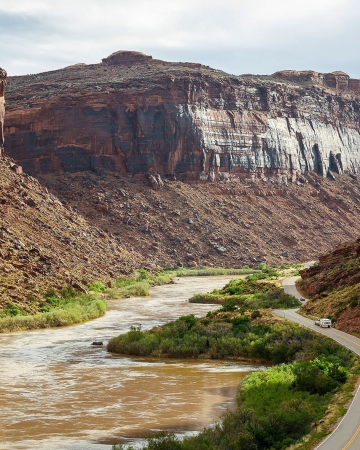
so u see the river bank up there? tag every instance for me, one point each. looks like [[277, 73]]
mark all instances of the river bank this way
[[77, 304], [275, 409], [53, 379]]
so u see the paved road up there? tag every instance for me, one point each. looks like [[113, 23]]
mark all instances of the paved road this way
[[347, 435]]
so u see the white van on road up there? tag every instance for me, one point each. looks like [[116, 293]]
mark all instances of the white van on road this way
[[323, 323]]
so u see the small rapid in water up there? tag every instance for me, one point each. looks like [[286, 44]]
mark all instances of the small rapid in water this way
[[59, 392]]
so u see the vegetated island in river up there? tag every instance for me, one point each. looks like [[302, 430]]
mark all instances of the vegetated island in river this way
[[278, 408]]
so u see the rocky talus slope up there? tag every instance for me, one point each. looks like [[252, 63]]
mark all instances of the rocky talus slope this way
[[137, 115], [44, 244], [334, 287], [225, 224]]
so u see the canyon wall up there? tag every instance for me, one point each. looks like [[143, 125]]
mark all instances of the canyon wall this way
[[137, 115], [2, 107]]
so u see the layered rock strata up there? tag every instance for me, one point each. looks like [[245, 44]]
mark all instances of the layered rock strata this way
[[2, 107], [338, 80], [137, 115]]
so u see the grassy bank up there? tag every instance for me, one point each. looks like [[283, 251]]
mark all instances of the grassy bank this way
[[68, 307], [136, 285], [254, 335]]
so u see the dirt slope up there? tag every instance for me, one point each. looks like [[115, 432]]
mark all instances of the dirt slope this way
[[45, 245]]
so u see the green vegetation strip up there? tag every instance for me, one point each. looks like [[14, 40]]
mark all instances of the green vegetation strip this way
[[211, 271], [67, 310], [67, 306], [276, 407], [279, 408], [250, 294]]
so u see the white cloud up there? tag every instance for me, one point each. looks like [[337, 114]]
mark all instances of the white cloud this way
[[239, 35]]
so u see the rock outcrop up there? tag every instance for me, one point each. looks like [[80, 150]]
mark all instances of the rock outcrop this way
[[124, 57], [334, 287], [337, 80], [45, 245], [137, 115], [2, 107]]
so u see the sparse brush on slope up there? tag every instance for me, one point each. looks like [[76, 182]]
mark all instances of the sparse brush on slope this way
[[333, 286]]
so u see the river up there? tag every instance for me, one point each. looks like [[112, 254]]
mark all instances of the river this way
[[59, 392]]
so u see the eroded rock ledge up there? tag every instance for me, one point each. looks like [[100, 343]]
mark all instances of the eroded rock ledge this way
[[336, 80], [137, 116]]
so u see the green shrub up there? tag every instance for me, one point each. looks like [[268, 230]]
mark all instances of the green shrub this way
[[68, 292], [229, 305], [354, 301], [12, 310], [142, 275], [139, 289], [311, 378], [97, 286], [249, 294], [164, 441], [255, 314]]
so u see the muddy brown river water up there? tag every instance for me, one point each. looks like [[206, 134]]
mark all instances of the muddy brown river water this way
[[59, 392]]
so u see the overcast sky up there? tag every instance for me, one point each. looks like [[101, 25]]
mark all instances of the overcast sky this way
[[238, 36]]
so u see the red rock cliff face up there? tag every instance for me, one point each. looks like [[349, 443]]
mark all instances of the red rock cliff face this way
[[2, 107], [138, 115]]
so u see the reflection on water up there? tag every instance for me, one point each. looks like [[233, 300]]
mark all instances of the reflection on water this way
[[59, 392]]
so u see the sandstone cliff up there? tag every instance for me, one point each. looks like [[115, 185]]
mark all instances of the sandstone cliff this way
[[137, 115], [2, 107]]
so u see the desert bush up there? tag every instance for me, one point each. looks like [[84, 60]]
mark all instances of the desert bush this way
[[97, 286]]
